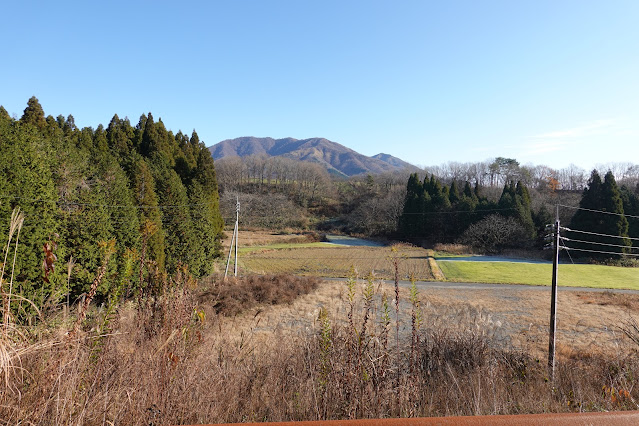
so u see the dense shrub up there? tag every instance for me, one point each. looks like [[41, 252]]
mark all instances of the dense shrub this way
[[231, 296], [495, 233]]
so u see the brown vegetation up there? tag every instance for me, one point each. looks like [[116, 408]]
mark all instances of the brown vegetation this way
[[177, 361], [256, 237], [338, 261], [232, 296]]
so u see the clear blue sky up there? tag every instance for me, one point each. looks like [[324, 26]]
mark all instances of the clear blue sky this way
[[546, 82]]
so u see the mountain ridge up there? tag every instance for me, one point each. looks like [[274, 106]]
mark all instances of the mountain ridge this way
[[336, 158]]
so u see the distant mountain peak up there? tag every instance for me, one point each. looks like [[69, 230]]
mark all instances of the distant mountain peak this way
[[336, 158], [394, 161]]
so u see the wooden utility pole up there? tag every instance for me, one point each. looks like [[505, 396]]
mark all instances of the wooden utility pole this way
[[234, 240], [237, 230], [553, 305]]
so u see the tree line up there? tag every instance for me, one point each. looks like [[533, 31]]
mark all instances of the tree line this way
[[150, 192], [498, 171], [437, 212], [609, 215], [605, 223]]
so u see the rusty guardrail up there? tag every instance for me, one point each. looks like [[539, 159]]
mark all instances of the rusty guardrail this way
[[617, 418]]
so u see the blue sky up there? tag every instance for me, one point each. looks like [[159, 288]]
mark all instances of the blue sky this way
[[545, 82]]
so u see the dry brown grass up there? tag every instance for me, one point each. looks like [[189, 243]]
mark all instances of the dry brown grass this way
[[177, 361], [453, 248], [338, 261], [248, 238], [232, 296], [606, 298]]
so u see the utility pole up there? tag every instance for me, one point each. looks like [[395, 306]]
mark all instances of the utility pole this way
[[237, 230], [234, 240], [553, 304]]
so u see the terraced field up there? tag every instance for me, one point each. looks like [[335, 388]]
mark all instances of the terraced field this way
[[335, 261]]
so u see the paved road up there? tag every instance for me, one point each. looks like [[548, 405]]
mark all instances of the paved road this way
[[485, 286]]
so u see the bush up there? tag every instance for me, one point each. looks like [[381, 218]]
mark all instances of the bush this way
[[495, 233], [232, 296]]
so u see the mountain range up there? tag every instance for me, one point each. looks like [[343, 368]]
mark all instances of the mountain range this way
[[336, 158]]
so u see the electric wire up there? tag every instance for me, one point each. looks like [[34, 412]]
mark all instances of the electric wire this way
[[598, 234], [604, 252], [598, 211], [67, 204], [597, 243], [461, 211], [568, 253]]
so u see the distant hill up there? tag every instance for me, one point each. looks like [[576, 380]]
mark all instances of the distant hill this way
[[336, 158], [395, 162]]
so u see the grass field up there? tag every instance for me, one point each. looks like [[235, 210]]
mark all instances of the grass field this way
[[541, 274]]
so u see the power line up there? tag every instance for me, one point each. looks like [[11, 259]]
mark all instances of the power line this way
[[604, 252], [598, 211], [598, 234], [461, 211], [594, 242], [568, 253], [168, 206]]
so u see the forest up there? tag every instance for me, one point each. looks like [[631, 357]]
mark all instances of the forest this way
[[124, 192]]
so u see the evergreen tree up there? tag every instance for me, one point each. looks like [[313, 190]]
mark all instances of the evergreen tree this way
[[120, 136], [78, 187], [453, 193], [631, 210], [149, 214], [435, 217], [465, 208], [410, 220], [205, 211], [4, 115], [468, 191], [185, 163], [180, 237], [27, 183], [507, 200], [34, 114], [69, 125], [600, 196], [524, 209], [615, 224]]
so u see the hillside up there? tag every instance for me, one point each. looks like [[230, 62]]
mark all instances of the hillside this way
[[336, 158]]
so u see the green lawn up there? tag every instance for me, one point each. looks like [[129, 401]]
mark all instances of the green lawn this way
[[541, 274]]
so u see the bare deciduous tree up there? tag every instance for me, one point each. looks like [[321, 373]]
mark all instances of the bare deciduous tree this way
[[494, 233]]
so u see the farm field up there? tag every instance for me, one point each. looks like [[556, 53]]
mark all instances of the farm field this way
[[264, 253], [330, 261], [598, 276]]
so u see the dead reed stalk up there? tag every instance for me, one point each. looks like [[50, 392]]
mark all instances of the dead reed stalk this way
[[107, 248], [15, 225]]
